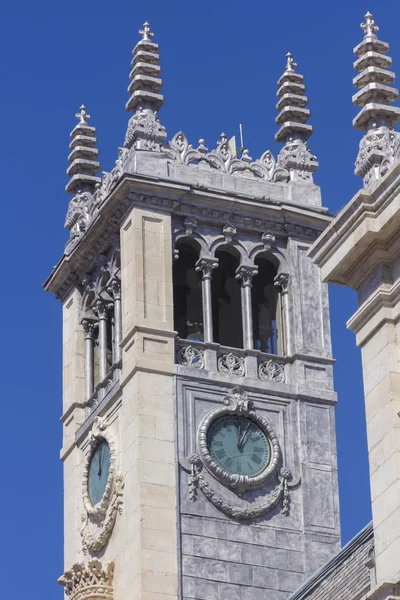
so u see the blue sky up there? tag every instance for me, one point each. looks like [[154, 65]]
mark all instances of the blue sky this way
[[220, 61]]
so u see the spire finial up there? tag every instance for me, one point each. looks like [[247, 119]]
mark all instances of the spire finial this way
[[146, 33], [290, 64], [82, 115], [369, 27]]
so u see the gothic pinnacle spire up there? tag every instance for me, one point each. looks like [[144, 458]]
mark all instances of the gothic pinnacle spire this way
[[292, 119], [144, 130], [377, 117], [84, 165]]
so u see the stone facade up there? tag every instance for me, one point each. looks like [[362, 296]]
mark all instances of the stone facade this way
[[166, 525], [360, 249]]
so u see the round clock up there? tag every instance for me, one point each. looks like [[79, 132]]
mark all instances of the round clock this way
[[238, 445], [99, 469]]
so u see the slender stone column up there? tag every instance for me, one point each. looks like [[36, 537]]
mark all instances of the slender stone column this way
[[101, 310], [114, 289], [246, 274], [206, 266], [281, 283], [89, 328]]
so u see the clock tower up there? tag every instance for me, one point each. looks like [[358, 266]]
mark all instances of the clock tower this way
[[199, 443]]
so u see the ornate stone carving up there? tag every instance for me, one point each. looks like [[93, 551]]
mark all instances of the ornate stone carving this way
[[205, 266], [190, 224], [246, 274], [281, 282], [90, 580], [268, 239], [101, 238], [238, 403], [89, 329], [379, 150], [272, 371], [188, 356], [296, 158], [98, 520], [257, 509], [229, 232], [221, 158], [229, 364], [145, 131]]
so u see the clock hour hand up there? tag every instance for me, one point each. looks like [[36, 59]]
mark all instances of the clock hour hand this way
[[99, 471]]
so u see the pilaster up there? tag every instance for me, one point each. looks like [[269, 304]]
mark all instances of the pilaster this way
[[359, 250], [149, 558]]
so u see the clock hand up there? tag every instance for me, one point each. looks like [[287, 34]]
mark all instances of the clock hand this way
[[243, 436], [99, 471]]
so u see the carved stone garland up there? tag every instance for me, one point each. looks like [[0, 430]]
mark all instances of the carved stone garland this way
[[237, 403], [98, 520], [89, 581]]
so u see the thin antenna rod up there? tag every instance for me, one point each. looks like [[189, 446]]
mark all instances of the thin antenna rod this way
[[241, 134]]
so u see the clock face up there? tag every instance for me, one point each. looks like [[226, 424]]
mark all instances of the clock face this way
[[238, 445], [99, 469]]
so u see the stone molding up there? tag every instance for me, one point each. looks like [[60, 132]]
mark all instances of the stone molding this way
[[98, 521], [280, 218], [362, 236], [92, 580]]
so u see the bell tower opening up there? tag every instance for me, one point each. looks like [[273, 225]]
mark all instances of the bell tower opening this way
[[188, 311], [227, 315], [266, 308]]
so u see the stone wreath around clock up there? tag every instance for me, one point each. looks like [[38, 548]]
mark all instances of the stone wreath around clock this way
[[240, 449], [101, 488], [237, 445]]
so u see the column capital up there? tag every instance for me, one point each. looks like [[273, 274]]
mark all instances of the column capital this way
[[100, 308], [246, 274], [282, 281], [89, 328], [114, 289], [206, 266]]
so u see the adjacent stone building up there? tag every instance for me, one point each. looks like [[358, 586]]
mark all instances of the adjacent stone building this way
[[199, 443]]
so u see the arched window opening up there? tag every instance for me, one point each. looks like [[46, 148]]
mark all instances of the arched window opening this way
[[226, 300], [266, 308], [188, 310]]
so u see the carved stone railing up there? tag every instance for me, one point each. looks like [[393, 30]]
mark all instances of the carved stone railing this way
[[104, 388], [232, 362]]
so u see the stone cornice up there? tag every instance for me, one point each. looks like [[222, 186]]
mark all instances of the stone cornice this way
[[382, 306], [346, 251], [207, 204]]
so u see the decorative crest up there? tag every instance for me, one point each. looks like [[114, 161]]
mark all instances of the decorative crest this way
[[290, 64], [146, 33], [369, 27], [82, 115]]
